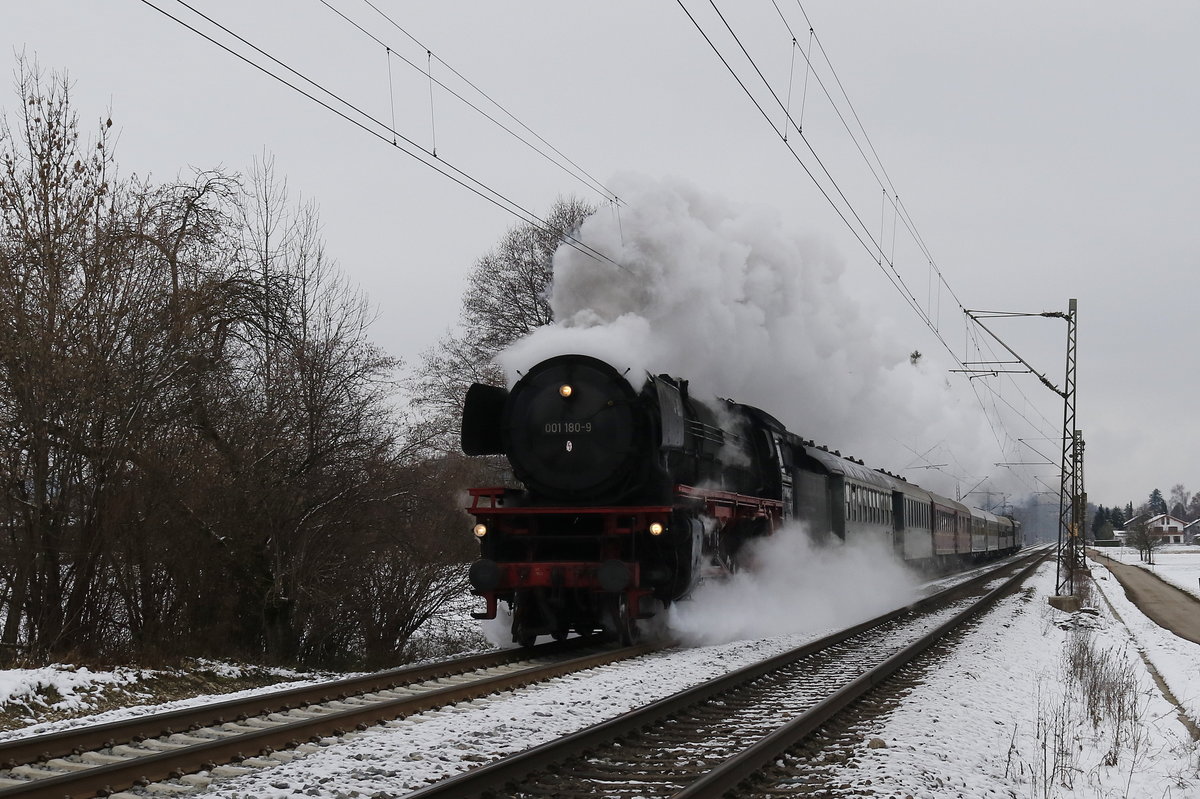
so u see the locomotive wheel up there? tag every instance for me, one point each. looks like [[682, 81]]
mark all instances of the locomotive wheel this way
[[522, 636], [619, 622], [521, 633]]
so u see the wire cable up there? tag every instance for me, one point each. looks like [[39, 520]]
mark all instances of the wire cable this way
[[439, 165], [874, 247], [602, 188], [875, 165], [569, 167]]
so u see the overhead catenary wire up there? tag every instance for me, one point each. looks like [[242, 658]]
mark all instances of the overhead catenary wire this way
[[391, 91], [432, 112], [901, 211], [882, 257], [875, 160], [853, 230], [974, 341], [402, 143], [430, 159], [997, 396], [901, 216], [860, 230], [567, 164], [791, 77], [807, 72], [896, 281]]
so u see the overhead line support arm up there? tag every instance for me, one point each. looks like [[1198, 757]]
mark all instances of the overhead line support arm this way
[[975, 317]]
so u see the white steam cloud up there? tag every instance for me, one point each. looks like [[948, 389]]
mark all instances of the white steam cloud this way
[[792, 587], [725, 296]]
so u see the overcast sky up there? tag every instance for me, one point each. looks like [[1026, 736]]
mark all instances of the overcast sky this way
[[1044, 151]]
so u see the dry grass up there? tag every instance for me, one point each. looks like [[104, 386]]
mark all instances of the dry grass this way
[[1096, 699]]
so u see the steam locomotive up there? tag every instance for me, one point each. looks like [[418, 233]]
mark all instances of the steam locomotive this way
[[632, 496]]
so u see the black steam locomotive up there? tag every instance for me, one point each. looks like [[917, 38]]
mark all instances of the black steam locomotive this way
[[631, 497]]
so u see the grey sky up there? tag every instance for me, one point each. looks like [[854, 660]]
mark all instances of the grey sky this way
[[1045, 151]]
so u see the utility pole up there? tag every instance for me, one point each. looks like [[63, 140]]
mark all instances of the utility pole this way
[[1072, 500]]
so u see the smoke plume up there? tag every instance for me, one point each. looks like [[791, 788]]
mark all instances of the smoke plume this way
[[730, 298]]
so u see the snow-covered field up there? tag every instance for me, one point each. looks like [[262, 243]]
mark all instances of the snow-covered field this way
[[1002, 716], [1177, 565]]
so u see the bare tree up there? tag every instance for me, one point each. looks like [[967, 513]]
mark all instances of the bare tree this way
[[1142, 538], [1179, 499], [1193, 509], [294, 409], [106, 311], [198, 448]]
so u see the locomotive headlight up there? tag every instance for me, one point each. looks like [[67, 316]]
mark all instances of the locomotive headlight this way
[[480, 530], [565, 391], [656, 528]]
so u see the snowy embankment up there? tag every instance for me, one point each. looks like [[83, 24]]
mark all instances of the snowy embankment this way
[[59, 697]]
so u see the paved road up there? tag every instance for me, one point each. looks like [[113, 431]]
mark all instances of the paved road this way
[[1168, 606]]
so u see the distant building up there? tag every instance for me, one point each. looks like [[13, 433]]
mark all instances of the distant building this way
[[1168, 528]]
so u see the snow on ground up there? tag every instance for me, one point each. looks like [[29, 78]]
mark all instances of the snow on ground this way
[[31, 696], [1003, 716], [406, 754], [1176, 659], [62, 688], [59, 687], [1177, 565]]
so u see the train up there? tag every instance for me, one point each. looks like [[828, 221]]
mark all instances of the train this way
[[630, 496]]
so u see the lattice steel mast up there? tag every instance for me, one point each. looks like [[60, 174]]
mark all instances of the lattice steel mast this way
[[1070, 512], [1072, 501]]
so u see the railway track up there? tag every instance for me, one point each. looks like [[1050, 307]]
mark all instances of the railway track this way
[[232, 737], [709, 740]]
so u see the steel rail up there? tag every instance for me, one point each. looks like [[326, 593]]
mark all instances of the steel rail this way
[[483, 780], [142, 770]]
